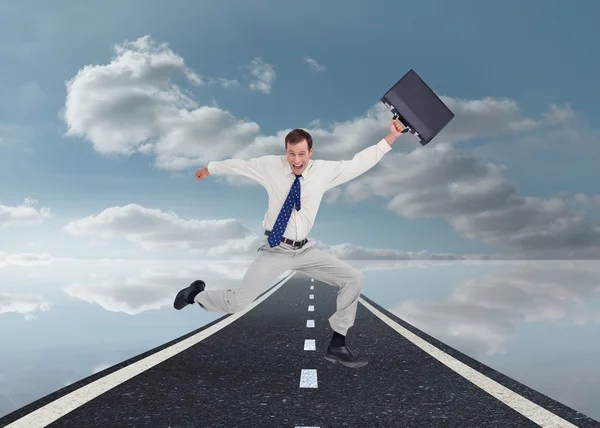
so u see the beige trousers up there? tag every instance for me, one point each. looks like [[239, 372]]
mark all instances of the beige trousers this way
[[310, 261]]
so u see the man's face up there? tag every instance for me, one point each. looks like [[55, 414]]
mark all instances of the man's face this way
[[298, 156]]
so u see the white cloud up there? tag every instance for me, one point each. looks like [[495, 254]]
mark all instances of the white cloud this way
[[258, 75], [131, 105], [484, 118], [479, 202], [155, 229], [130, 297], [228, 83], [349, 251], [136, 286], [313, 64], [23, 214], [25, 259], [481, 315], [587, 201], [263, 75], [24, 304], [155, 284], [490, 117], [528, 226]]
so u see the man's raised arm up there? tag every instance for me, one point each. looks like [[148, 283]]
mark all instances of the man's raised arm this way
[[346, 170], [252, 168]]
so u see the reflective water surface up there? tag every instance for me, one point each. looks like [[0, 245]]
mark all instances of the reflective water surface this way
[[535, 321]]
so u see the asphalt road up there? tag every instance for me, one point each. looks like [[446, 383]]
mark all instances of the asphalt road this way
[[259, 370]]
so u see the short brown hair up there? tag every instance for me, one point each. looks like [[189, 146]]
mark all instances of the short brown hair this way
[[297, 135]]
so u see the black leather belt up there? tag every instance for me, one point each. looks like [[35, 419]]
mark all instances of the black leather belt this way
[[298, 244]]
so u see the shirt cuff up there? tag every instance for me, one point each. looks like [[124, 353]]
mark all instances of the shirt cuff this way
[[213, 167], [384, 146]]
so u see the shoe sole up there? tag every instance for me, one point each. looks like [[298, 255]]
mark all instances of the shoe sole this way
[[334, 359], [179, 303]]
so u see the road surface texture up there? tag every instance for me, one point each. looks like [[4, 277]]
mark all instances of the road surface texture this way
[[264, 367]]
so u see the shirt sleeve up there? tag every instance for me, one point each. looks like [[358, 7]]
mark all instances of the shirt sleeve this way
[[346, 170], [254, 168]]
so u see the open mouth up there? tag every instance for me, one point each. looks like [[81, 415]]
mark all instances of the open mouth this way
[[297, 167]]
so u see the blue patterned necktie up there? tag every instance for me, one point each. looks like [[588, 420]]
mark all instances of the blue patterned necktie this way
[[293, 198]]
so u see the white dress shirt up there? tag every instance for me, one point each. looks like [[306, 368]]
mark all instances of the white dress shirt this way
[[276, 176]]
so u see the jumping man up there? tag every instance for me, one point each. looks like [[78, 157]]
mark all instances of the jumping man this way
[[295, 185]]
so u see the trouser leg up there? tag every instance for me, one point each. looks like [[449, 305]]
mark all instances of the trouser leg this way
[[330, 270], [268, 265]]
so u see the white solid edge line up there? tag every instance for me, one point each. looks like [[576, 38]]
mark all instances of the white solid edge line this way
[[69, 402], [527, 408]]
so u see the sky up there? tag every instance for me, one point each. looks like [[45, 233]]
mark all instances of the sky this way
[[108, 108]]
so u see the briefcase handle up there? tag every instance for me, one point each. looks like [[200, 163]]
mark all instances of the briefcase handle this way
[[405, 129]]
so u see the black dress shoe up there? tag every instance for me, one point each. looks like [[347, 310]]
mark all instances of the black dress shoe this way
[[186, 296], [343, 355]]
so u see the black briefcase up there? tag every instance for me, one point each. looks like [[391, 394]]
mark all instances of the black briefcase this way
[[419, 109]]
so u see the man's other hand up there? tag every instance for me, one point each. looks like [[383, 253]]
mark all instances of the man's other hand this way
[[201, 174]]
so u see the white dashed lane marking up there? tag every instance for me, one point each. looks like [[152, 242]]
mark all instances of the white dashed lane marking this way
[[308, 378], [310, 345]]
